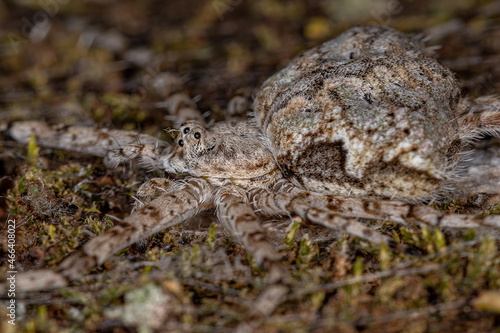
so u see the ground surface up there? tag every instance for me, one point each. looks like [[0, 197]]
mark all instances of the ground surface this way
[[102, 63]]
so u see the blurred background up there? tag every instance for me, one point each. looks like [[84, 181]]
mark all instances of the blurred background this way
[[111, 62]]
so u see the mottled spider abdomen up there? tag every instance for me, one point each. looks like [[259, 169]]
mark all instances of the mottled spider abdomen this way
[[367, 114]]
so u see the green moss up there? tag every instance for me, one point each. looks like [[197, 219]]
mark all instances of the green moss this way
[[292, 232], [33, 151], [493, 210]]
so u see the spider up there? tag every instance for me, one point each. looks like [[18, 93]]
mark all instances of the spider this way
[[363, 126]]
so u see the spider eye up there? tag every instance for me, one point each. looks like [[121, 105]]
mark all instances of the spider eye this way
[[186, 130], [197, 135], [181, 143]]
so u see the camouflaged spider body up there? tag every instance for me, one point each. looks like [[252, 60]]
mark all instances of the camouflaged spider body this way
[[365, 117], [367, 114]]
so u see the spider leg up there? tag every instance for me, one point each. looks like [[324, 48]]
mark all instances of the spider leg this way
[[403, 212], [182, 108], [151, 189], [481, 117], [116, 146], [165, 211], [285, 197], [234, 211], [171, 208], [147, 155], [238, 216], [293, 200]]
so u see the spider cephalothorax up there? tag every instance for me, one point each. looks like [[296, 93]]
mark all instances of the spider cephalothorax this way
[[361, 119], [228, 152]]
